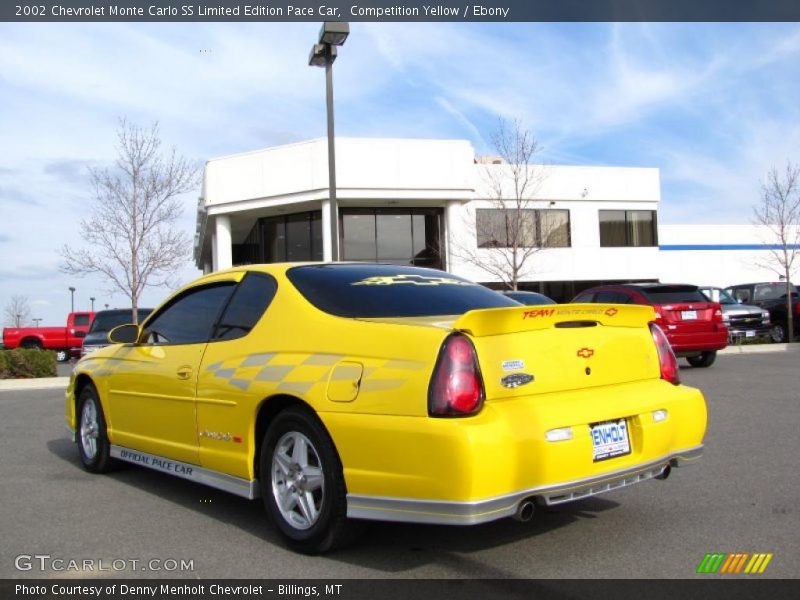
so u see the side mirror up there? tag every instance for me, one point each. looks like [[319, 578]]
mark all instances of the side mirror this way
[[124, 334]]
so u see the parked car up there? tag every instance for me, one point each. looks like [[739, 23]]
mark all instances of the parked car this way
[[529, 298], [64, 340], [365, 391], [772, 297], [105, 321], [744, 321], [693, 324]]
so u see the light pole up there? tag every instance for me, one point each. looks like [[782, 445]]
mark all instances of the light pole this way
[[72, 299], [37, 321], [106, 306], [92, 299], [19, 320], [323, 53]]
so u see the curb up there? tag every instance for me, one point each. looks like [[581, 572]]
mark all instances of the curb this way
[[755, 349], [40, 383]]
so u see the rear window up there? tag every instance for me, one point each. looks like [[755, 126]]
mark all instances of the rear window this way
[[81, 320], [373, 291], [671, 294]]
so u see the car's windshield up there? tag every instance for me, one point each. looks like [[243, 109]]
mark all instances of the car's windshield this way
[[358, 290], [107, 321], [726, 298]]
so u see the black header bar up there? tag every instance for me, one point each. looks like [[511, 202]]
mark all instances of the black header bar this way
[[399, 10]]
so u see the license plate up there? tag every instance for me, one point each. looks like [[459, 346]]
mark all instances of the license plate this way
[[689, 315], [749, 334], [610, 439]]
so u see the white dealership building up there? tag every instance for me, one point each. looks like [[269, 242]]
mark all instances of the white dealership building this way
[[432, 203]]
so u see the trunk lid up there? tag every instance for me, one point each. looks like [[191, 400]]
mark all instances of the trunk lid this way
[[543, 349]]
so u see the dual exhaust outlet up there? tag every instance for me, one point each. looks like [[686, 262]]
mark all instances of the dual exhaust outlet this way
[[527, 508]]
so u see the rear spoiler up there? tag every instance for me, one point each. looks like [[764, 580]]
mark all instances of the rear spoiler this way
[[498, 321]]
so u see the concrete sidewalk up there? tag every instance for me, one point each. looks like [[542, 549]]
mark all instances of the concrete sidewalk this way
[[40, 383]]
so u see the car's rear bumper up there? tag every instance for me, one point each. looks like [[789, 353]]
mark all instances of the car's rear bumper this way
[[402, 468], [474, 513], [689, 343]]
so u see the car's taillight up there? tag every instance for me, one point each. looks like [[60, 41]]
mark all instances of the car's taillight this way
[[718, 316], [456, 388], [666, 357]]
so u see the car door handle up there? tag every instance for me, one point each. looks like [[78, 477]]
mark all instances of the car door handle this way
[[184, 372]]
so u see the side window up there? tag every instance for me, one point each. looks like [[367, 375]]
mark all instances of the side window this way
[[587, 297], [189, 318], [742, 295], [250, 300], [81, 320]]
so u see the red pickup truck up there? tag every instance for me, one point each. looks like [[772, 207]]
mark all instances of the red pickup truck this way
[[64, 340]]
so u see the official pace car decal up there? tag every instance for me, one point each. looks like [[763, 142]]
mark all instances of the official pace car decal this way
[[411, 279]]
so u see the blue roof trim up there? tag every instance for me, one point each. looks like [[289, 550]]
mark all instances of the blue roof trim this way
[[669, 247]]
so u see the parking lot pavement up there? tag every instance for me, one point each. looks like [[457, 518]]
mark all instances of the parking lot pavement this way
[[741, 497]]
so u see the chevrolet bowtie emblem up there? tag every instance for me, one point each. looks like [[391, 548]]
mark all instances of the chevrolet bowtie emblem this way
[[585, 352], [611, 312]]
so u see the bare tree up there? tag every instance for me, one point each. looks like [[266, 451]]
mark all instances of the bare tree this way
[[131, 234], [512, 231], [17, 311], [779, 212]]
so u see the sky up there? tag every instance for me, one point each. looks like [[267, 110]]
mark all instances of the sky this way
[[713, 106]]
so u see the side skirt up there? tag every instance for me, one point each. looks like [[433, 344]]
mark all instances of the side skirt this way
[[246, 488]]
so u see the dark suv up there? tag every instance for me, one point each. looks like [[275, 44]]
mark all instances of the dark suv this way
[[772, 297], [693, 323], [105, 321]]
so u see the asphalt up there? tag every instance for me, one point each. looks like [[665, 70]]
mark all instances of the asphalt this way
[[742, 496]]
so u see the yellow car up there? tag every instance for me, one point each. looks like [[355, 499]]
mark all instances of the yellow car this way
[[341, 392]]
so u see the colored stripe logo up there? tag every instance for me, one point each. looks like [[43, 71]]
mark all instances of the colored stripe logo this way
[[735, 563]]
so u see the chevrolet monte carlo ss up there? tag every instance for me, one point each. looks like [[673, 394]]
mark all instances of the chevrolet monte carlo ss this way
[[340, 392]]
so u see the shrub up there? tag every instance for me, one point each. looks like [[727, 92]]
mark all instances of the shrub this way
[[26, 364]]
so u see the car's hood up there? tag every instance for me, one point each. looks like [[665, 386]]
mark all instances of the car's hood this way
[[740, 309]]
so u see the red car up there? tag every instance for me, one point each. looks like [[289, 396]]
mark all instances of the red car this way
[[693, 324], [64, 340]]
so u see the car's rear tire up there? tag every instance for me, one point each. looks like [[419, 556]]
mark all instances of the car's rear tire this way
[[777, 333], [93, 445], [302, 483], [706, 359], [31, 344]]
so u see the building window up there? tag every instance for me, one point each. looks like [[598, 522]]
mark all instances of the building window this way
[[499, 228], [627, 228], [296, 237], [395, 236]]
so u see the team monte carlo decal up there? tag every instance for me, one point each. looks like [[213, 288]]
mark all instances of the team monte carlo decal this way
[[539, 312]]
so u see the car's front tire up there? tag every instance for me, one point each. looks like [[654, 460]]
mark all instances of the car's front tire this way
[[62, 355], [93, 445], [706, 359], [302, 483], [777, 333]]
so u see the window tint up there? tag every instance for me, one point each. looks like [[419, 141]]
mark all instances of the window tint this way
[[612, 297], [81, 320], [672, 294], [249, 302], [765, 291], [189, 318], [499, 228], [391, 291], [106, 321], [588, 297], [620, 228], [741, 294]]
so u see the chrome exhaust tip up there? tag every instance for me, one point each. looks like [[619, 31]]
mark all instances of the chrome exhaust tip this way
[[525, 511], [665, 473]]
